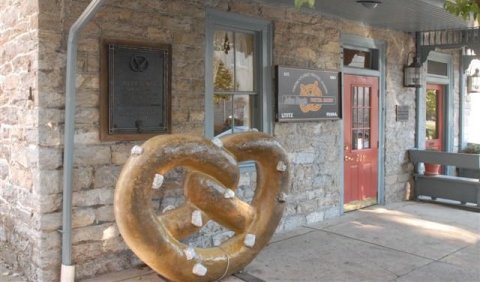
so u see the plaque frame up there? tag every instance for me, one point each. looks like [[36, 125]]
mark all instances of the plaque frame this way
[[106, 92], [289, 81]]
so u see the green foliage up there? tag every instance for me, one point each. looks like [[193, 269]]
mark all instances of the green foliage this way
[[466, 9], [472, 148], [300, 3]]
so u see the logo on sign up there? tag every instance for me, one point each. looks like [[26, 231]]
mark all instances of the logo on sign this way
[[138, 63]]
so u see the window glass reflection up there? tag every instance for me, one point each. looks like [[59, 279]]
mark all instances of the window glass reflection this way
[[431, 125]]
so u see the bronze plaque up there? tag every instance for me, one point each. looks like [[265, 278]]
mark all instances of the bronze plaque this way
[[138, 89]]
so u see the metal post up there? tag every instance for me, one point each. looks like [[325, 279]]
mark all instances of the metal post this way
[[68, 270]]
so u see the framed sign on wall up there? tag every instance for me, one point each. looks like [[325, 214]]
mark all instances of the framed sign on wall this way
[[307, 95], [135, 82]]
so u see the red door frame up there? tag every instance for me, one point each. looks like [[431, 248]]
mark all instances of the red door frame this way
[[360, 165]]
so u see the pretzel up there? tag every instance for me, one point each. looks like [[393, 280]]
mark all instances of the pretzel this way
[[209, 190]]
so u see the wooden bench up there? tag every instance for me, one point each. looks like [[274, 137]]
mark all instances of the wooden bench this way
[[461, 189]]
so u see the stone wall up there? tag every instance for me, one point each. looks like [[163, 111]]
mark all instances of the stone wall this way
[[301, 39], [20, 197]]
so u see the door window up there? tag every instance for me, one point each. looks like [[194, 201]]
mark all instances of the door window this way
[[432, 115], [361, 96]]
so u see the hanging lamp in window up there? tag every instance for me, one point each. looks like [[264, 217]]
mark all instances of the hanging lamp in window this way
[[226, 44]]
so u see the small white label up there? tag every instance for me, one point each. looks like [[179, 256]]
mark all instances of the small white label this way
[[287, 115], [197, 218], [157, 181], [249, 240], [190, 253], [136, 150], [228, 194], [286, 73], [281, 166], [199, 270], [217, 142], [168, 208]]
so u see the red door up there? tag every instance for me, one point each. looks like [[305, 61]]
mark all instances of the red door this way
[[360, 141], [434, 117]]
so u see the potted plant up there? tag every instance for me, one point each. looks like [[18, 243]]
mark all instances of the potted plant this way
[[466, 172], [431, 168]]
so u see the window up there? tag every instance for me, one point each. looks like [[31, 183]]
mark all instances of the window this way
[[360, 58], [238, 74], [233, 81], [437, 68], [361, 118]]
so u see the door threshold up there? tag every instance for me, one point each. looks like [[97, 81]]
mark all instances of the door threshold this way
[[359, 204]]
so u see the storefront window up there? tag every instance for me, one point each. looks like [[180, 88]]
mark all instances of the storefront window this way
[[238, 74], [234, 81]]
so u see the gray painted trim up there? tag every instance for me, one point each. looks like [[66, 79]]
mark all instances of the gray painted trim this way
[[263, 28], [350, 40], [461, 110], [69, 135], [449, 107]]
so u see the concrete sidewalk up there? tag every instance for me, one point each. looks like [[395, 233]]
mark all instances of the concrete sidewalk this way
[[408, 241]]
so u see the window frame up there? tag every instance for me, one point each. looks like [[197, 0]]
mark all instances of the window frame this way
[[262, 117]]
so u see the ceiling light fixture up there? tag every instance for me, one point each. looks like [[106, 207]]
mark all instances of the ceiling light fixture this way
[[370, 4]]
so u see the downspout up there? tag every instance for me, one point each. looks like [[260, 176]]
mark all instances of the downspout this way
[[461, 86], [68, 270], [418, 100]]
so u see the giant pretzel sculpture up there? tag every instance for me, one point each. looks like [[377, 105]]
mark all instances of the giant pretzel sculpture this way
[[209, 192]]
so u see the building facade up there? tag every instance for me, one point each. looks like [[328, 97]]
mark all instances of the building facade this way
[[33, 46]]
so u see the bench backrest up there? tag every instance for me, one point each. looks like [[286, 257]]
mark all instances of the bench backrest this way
[[471, 161]]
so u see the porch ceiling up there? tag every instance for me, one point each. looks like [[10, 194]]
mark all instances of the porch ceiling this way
[[402, 15]]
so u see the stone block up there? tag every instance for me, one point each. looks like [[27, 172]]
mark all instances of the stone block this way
[[47, 203], [47, 241], [332, 212], [87, 116], [294, 221], [49, 116], [82, 178], [51, 221], [102, 264], [87, 81], [87, 251], [49, 158], [47, 182], [83, 217], [99, 232], [106, 176], [92, 155], [120, 153], [304, 158], [315, 217], [306, 207], [50, 135], [21, 177], [87, 135], [93, 197], [87, 98], [104, 214]]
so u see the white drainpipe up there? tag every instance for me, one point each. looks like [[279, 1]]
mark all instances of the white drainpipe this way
[[68, 270]]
